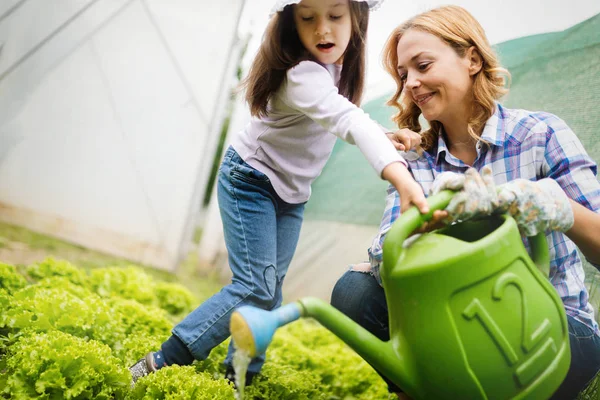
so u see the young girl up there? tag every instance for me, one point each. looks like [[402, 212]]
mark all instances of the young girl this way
[[446, 71], [303, 90]]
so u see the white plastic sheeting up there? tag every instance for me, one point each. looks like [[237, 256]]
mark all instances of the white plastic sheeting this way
[[109, 115]]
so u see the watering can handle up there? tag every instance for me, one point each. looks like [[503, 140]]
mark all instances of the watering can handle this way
[[540, 253], [412, 219]]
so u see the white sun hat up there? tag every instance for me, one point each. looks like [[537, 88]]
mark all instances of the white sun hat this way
[[281, 4]]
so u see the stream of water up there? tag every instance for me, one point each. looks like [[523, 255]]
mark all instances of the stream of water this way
[[241, 360]]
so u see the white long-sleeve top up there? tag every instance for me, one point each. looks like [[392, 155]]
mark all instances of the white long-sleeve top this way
[[294, 141]]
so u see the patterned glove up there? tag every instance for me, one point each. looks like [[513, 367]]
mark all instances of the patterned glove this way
[[476, 193], [535, 206]]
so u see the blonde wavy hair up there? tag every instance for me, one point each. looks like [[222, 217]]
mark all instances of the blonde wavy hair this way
[[461, 31]]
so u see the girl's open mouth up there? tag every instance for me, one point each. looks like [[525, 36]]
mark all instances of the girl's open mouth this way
[[325, 47]]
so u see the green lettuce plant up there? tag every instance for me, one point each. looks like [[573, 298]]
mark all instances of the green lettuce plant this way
[[56, 365], [139, 319], [134, 284], [135, 346], [174, 298], [181, 383], [61, 268], [10, 279], [129, 283], [63, 283], [43, 309]]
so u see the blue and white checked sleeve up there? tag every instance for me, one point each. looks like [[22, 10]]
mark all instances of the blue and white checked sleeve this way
[[567, 162]]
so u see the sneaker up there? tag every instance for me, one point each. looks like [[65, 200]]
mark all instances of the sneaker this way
[[143, 367]]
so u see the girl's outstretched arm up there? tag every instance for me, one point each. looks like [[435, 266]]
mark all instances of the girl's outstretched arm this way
[[309, 89]]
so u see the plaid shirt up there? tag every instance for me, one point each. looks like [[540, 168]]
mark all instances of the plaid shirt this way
[[528, 145]]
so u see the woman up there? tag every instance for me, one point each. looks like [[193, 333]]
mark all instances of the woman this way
[[446, 71]]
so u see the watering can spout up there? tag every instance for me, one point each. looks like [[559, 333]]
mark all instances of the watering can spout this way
[[252, 330]]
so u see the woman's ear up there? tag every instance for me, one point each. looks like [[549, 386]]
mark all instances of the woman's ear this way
[[475, 60]]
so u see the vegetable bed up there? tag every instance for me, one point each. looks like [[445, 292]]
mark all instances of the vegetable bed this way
[[69, 333]]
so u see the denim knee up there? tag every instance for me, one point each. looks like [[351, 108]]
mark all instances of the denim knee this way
[[350, 291], [265, 289], [585, 360], [341, 291]]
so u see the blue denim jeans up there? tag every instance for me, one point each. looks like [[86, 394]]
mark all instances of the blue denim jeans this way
[[360, 297], [261, 233]]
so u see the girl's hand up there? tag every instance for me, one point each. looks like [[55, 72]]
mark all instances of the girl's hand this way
[[404, 139], [411, 194], [409, 190], [438, 220]]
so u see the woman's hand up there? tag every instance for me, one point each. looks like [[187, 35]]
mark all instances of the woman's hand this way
[[404, 139], [476, 193], [535, 206]]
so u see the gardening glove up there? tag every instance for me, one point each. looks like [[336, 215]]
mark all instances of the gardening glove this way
[[476, 193], [535, 206]]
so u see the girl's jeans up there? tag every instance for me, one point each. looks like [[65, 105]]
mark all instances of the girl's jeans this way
[[360, 297], [261, 232]]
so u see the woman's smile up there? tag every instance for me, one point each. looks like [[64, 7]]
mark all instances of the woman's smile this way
[[423, 99]]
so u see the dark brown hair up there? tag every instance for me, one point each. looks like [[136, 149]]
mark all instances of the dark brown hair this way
[[281, 49]]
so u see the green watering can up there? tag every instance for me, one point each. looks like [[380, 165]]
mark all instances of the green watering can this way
[[471, 315]]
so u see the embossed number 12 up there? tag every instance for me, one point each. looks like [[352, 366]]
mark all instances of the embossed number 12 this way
[[528, 339]]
